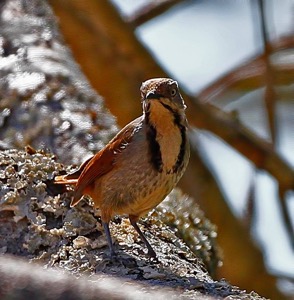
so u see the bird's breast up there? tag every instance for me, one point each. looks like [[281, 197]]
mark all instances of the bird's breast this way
[[169, 134], [169, 139]]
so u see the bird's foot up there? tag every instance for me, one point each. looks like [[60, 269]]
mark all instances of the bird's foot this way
[[151, 253], [113, 255]]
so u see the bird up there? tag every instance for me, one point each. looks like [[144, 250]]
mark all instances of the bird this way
[[140, 166]]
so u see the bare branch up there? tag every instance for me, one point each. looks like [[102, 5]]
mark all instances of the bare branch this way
[[150, 11]]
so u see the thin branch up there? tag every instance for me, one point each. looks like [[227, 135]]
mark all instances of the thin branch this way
[[270, 94], [250, 210], [227, 126], [151, 11], [250, 75], [286, 216]]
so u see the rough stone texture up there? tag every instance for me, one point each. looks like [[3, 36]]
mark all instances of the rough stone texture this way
[[192, 226], [21, 280], [36, 222], [45, 99]]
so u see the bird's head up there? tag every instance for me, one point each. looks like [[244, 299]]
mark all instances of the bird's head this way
[[163, 90]]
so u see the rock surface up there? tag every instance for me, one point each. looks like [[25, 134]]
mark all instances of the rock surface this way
[[37, 223], [46, 101]]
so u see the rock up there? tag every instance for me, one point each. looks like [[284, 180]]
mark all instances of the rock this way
[[45, 99], [37, 223]]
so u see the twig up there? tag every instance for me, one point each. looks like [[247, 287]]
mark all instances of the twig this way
[[250, 75], [227, 126], [270, 94], [150, 11]]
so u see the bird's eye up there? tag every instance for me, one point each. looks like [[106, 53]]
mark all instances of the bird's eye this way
[[173, 92]]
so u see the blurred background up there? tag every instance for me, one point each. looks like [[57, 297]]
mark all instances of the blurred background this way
[[234, 61]]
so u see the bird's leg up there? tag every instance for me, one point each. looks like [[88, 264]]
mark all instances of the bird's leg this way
[[109, 240], [133, 220]]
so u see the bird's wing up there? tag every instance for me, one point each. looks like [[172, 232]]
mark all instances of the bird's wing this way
[[104, 161]]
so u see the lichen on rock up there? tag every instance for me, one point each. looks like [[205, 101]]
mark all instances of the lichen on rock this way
[[37, 222]]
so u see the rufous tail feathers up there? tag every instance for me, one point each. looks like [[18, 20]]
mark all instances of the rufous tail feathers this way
[[64, 180], [72, 178]]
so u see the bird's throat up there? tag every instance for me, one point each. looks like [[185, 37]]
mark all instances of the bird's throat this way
[[165, 135]]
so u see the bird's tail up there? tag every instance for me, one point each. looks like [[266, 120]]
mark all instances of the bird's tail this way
[[71, 178], [65, 180], [68, 179]]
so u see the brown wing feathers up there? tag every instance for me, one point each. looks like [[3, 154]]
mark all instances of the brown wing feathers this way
[[98, 165]]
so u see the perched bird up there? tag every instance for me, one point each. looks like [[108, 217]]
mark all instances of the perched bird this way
[[140, 166]]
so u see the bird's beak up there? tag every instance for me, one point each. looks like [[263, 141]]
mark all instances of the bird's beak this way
[[152, 95]]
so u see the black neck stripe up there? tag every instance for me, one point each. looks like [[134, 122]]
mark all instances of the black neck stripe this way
[[182, 128], [154, 148], [180, 159]]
